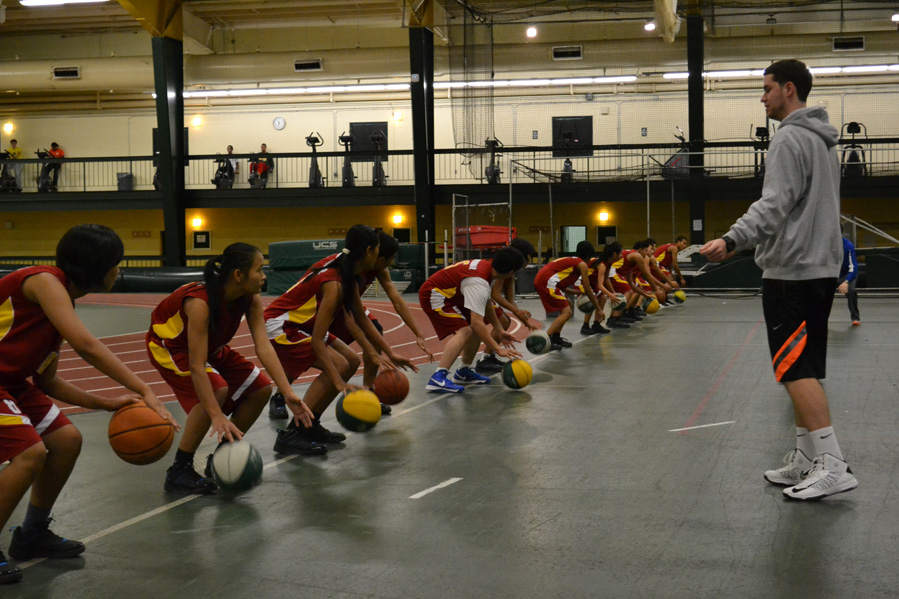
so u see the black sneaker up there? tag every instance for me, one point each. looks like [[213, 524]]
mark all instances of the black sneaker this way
[[42, 542], [587, 330], [633, 314], [385, 409], [627, 319], [320, 434], [291, 441], [618, 323], [553, 346], [558, 339], [8, 572], [598, 328], [489, 364], [184, 479], [277, 408]]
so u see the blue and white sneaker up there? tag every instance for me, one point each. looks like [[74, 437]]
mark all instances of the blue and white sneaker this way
[[468, 375], [440, 384]]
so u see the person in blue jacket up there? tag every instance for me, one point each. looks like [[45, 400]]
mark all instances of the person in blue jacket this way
[[848, 277]]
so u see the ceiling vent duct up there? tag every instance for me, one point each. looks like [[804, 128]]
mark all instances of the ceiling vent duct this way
[[849, 44], [567, 53], [304, 66], [67, 72]]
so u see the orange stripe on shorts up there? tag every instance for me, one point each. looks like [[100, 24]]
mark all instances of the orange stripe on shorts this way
[[789, 352]]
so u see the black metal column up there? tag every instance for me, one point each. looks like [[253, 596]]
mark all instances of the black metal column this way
[[168, 73], [696, 111], [421, 65]]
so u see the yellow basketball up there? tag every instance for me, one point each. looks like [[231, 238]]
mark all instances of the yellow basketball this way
[[517, 374], [679, 296], [359, 410], [653, 307]]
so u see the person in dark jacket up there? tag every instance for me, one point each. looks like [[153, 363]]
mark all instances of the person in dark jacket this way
[[848, 278]]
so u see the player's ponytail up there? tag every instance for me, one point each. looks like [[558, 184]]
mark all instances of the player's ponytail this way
[[610, 250], [359, 239], [237, 256]]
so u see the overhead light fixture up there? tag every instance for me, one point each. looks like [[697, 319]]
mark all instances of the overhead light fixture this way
[[895, 18], [603, 217], [197, 223], [651, 26], [398, 219], [7, 128], [532, 32], [57, 2], [197, 121]]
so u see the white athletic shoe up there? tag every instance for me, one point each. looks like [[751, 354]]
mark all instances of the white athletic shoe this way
[[796, 469], [828, 476]]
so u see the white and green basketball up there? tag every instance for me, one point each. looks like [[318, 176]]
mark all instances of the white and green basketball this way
[[236, 466], [538, 342]]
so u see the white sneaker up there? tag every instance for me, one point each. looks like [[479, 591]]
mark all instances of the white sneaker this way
[[797, 466], [828, 476]]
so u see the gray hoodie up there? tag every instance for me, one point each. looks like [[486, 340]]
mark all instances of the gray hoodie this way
[[795, 225]]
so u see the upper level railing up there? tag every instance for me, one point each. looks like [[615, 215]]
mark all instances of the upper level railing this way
[[876, 157]]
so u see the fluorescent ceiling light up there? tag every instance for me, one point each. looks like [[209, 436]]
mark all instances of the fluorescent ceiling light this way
[[866, 69], [895, 18], [57, 2], [651, 26], [825, 70], [675, 75], [621, 79], [532, 32]]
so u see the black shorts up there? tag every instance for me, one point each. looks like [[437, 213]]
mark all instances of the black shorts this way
[[796, 313]]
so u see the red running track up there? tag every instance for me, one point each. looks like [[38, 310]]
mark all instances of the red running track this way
[[131, 348]]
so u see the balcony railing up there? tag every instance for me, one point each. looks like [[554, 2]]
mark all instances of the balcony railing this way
[[520, 165]]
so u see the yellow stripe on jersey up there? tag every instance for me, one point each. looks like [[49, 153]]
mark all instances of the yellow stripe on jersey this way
[[304, 312], [7, 314], [164, 359], [283, 340], [618, 264], [10, 420], [447, 293], [171, 328], [46, 363]]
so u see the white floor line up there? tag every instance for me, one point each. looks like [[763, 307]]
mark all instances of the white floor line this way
[[445, 483], [690, 428]]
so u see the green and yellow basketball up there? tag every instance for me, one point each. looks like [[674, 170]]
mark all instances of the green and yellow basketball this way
[[679, 296], [517, 374], [358, 411], [651, 306]]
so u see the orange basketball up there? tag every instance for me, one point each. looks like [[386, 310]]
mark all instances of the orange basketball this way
[[139, 435], [391, 387]]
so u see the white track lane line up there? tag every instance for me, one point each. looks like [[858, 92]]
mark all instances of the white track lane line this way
[[445, 483], [690, 428]]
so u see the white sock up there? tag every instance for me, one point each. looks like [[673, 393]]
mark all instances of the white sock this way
[[825, 441], [804, 442], [464, 365]]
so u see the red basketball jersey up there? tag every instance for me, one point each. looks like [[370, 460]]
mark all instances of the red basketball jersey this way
[[290, 319], [664, 256], [561, 271], [365, 278], [28, 341], [625, 266], [168, 322], [448, 281]]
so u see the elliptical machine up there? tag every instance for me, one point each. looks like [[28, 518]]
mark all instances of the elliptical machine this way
[[45, 179], [315, 173], [349, 178], [492, 171], [224, 174], [7, 176], [378, 179]]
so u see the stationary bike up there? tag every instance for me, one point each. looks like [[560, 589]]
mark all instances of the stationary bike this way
[[315, 173], [7, 176], [378, 179], [258, 178], [45, 179], [224, 174], [349, 178]]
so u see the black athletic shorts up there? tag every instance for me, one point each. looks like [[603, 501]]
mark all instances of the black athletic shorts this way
[[796, 313]]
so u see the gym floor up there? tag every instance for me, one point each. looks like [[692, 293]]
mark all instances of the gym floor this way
[[630, 467]]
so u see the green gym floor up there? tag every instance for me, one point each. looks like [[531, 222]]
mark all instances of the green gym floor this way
[[631, 467]]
